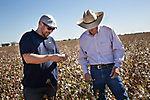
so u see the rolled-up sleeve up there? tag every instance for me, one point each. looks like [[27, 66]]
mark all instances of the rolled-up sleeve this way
[[118, 50], [83, 60]]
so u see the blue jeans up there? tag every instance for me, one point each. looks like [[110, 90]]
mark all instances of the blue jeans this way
[[38, 93], [102, 77]]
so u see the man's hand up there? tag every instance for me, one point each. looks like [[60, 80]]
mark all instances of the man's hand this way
[[65, 56], [88, 78], [115, 72], [59, 57]]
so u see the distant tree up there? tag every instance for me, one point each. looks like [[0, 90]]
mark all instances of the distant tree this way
[[69, 39], [5, 44], [13, 43]]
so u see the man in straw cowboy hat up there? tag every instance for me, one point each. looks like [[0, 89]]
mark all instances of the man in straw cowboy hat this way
[[102, 50]]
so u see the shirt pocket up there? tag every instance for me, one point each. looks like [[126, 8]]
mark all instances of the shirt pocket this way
[[105, 47]]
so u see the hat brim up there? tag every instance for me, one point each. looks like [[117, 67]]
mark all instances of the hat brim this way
[[92, 24]]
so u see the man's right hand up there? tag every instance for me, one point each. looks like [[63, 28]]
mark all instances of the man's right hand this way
[[59, 57], [88, 77]]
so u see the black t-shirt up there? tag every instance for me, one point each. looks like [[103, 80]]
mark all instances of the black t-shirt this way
[[36, 75]]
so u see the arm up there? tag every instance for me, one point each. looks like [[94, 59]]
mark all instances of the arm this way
[[84, 66], [27, 48], [118, 52], [83, 60], [37, 59]]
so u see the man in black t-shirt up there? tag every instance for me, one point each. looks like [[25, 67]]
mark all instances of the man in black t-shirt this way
[[40, 55]]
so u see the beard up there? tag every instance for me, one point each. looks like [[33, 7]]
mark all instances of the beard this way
[[43, 35]]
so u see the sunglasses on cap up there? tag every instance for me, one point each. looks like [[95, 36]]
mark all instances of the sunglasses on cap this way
[[49, 28]]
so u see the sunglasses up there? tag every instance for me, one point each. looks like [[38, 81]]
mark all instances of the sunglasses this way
[[49, 28]]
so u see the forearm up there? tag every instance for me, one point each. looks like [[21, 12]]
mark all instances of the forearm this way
[[37, 59], [84, 65], [118, 57]]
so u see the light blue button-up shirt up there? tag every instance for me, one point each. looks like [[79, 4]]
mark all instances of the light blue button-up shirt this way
[[103, 48]]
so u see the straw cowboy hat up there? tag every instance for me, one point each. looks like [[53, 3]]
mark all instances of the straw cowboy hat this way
[[90, 19]]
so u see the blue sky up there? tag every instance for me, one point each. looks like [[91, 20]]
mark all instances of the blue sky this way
[[19, 16]]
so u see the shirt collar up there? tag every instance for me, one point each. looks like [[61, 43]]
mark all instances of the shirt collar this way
[[87, 31]]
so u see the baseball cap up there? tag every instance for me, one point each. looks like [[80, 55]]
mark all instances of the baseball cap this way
[[49, 20]]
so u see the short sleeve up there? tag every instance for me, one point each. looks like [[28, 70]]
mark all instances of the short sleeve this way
[[26, 44]]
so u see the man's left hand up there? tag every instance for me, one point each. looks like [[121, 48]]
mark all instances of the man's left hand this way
[[115, 72]]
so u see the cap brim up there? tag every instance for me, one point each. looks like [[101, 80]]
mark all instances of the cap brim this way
[[93, 24]]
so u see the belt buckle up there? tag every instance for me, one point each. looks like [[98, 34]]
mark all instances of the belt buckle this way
[[98, 66]]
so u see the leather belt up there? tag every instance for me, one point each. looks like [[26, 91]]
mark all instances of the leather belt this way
[[100, 66]]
